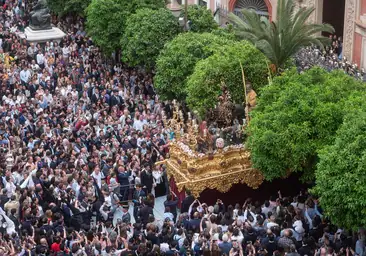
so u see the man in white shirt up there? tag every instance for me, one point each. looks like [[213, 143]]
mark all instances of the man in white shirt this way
[[266, 208], [34, 66], [40, 59], [31, 52], [97, 175], [139, 124], [65, 52], [48, 97], [10, 187], [25, 75], [123, 118]]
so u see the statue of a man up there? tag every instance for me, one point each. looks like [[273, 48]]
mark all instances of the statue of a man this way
[[40, 17]]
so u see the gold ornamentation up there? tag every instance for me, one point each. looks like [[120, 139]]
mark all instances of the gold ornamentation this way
[[217, 171]]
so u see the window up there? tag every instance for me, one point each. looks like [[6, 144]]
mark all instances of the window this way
[[259, 6]]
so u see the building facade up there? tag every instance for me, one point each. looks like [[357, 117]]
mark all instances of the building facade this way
[[347, 16]]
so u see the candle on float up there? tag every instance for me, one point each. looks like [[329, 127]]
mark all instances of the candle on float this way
[[195, 128]]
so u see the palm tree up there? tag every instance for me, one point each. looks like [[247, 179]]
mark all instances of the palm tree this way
[[281, 39]]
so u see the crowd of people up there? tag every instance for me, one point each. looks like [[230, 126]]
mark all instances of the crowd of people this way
[[331, 58], [79, 140], [336, 46]]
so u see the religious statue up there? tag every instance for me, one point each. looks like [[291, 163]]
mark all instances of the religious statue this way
[[251, 100], [222, 114], [40, 17], [226, 106]]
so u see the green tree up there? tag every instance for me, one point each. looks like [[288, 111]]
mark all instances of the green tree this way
[[204, 85], [201, 19], [340, 174], [64, 7], [145, 35], [281, 39], [227, 32], [151, 4], [177, 60], [296, 116], [106, 19]]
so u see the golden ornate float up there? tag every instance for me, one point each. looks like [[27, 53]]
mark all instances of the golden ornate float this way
[[218, 168]]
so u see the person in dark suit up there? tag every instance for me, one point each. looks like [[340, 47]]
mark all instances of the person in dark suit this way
[[115, 99], [13, 217], [122, 178], [187, 201], [126, 217], [121, 213], [95, 96], [147, 179], [172, 203], [30, 129], [194, 224], [3, 198], [306, 249], [145, 212], [138, 196], [32, 88], [172, 249]]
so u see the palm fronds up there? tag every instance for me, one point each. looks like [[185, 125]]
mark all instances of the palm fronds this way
[[281, 39]]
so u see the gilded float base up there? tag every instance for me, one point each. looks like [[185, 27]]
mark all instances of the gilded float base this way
[[217, 171]]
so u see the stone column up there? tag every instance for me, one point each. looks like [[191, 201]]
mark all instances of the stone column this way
[[363, 58], [319, 11], [274, 9], [349, 28], [310, 4]]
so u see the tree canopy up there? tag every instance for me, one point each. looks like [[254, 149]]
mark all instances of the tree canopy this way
[[62, 7], [296, 116], [282, 38], [177, 60], [204, 85], [340, 174], [106, 19], [145, 35], [201, 19]]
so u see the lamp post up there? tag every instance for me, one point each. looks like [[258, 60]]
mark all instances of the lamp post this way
[[175, 8], [186, 15]]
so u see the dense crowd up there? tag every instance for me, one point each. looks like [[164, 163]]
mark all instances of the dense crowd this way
[[330, 59], [80, 138]]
